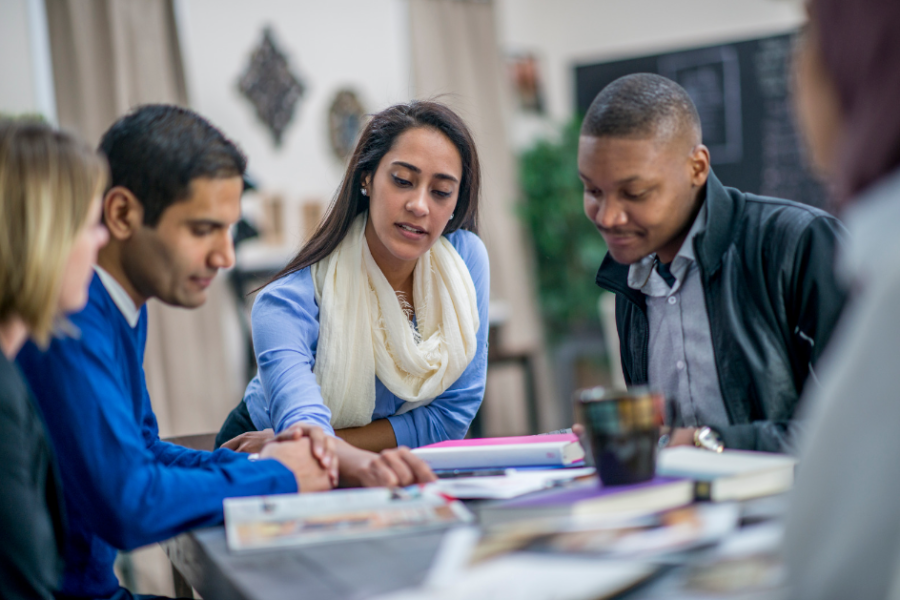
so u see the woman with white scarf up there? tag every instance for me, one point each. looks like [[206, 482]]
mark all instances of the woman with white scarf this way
[[377, 330]]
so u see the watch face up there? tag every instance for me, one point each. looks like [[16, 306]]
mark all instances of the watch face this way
[[710, 439]]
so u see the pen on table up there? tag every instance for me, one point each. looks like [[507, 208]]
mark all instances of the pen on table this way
[[472, 473]]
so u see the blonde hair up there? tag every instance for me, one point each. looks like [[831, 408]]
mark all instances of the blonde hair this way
[[48, 179]]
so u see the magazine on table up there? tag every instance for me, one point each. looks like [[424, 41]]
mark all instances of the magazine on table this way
[[299, 519]]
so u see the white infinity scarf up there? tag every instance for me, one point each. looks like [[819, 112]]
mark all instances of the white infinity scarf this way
[[364, 333]]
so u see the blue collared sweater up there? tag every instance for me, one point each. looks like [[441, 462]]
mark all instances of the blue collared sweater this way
[[286, 337], [123, 486]]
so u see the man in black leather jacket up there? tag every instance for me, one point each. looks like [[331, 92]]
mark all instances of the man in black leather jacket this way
[[724, 300]]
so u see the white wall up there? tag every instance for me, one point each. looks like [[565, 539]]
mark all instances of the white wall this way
[[16, 81], [563, 33], [362, 44]]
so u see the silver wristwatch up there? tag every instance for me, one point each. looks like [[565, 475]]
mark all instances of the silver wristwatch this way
[[708, 439]]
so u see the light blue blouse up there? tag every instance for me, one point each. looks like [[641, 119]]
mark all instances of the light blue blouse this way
[[285, 322]]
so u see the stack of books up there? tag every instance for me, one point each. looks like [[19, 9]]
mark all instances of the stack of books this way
[[684, 474]]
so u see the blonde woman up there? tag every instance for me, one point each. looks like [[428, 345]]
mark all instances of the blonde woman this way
[[50, 231]]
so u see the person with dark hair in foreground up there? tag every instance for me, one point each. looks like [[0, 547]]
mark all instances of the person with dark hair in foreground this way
[[50, 190], [377, 330], [174, 193], [843, 529], [724, 300]]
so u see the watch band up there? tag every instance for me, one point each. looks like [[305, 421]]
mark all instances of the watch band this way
[[663, 441]]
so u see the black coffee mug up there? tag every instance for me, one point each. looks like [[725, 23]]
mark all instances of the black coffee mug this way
[[622, 429]]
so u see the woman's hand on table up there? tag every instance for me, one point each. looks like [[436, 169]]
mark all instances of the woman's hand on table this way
[[389, 468], [250, 442], [321, 444], [396, 467]]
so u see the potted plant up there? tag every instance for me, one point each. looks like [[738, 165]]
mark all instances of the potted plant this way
[[568, 251]]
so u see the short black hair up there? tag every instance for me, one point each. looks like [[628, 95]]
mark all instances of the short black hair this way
[[156, 150], [641, 105]]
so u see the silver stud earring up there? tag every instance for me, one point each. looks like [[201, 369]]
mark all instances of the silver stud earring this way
[[452, 215], [363, 191]]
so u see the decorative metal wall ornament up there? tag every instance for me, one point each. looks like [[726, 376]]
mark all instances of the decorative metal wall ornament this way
[[271, 87], [345, 122]]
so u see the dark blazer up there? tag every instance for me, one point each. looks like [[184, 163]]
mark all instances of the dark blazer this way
[[31, 512], [767, 268]]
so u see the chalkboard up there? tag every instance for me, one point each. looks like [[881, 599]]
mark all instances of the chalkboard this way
[[742, 92]]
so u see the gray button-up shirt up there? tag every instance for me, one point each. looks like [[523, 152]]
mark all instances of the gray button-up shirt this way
[[681, 360]]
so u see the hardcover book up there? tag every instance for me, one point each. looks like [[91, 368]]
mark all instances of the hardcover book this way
[[560, 450], [729, 475], [589, 498]]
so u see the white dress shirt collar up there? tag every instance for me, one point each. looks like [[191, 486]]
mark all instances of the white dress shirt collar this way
[[119, 296], [643, 276]]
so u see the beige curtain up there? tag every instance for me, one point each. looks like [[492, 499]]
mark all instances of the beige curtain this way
[[108, 56], [456, 59]]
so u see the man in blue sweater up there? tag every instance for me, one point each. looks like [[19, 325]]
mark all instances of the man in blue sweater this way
[[175, 192]]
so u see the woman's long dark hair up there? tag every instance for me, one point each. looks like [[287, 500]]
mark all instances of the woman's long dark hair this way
[[859, 43], [376, 140]]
